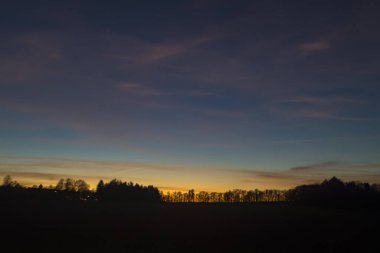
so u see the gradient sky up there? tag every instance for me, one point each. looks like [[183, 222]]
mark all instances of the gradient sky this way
[[211, 95]]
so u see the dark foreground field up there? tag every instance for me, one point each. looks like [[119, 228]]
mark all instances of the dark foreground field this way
[[272, 227]]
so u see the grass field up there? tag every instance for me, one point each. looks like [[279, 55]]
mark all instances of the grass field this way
[[263, 227]]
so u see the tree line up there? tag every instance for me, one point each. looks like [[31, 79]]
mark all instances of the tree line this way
[[232, 196], [78, 189], [117, 190], [333, 192]]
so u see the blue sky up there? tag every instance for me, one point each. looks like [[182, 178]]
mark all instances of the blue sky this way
[[232, 95]]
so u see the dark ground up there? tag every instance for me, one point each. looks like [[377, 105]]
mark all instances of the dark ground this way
[[263, 227]]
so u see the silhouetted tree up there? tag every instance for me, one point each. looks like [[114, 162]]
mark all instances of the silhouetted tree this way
[[191, 195], [228, 196], [234, 196], [69, 184], [81, 186], [100, 186], [117, 190], [335, 192], [7, 181], [72, 185], [60, 185]]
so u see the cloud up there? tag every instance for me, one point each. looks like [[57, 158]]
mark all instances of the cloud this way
[[324, 114], [73, 164], [324, 107], [339, 139], [167, 49], [34, 170], [318, 166], [368, 172], [29, 56], [139, 89], [226, 113], [202, 94], [46, 170], [313, 173], [317, 114], [322, 100], [146, 52], [313, 46], [187, 58]]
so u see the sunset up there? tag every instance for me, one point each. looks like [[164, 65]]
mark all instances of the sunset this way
[[190, 97], [180, 93]]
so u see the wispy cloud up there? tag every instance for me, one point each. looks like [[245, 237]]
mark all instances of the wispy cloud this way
[[339, 167], [319, 45], [139, 89], [322, 100], [316, 114], [345, 170], [344, 108], [324, 114], [227, 113], [202, 94], [312, 173], [173, 48], [33, 170], [40, 52], [318, 166], [146, 52], [337, 139], [30, 170]]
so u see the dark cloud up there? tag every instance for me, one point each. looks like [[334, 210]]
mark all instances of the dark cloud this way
[[318, 166]]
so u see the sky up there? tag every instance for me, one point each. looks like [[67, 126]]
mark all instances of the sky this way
[[210, 95]]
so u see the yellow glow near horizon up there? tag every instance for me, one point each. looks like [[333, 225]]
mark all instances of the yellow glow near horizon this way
[[47, 171]]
